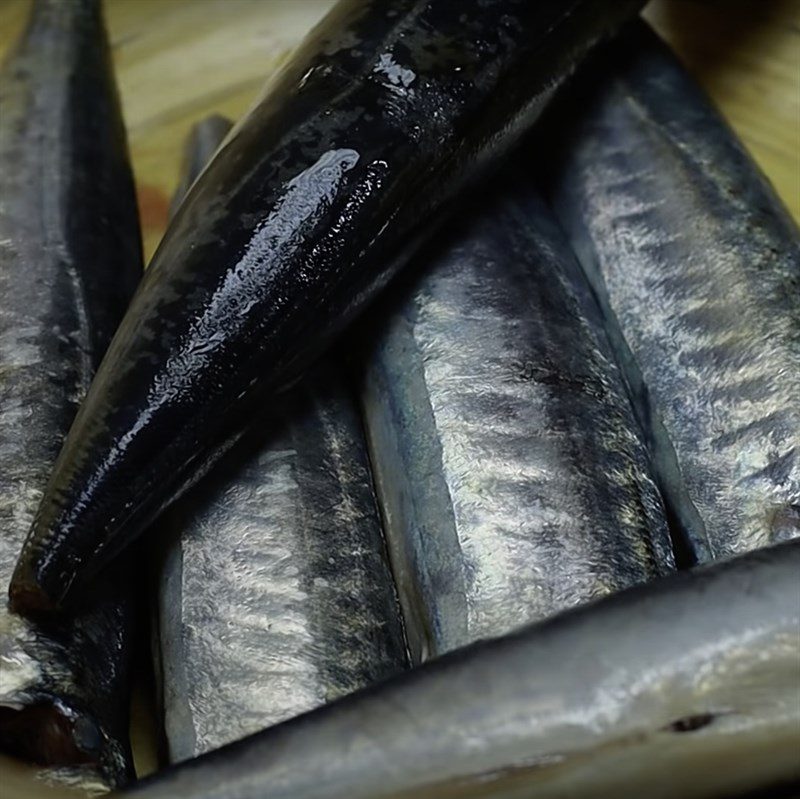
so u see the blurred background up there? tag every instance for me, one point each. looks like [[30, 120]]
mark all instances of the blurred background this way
[[180, 60]]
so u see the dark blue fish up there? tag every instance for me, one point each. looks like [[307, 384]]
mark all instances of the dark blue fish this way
[[309, 208], [275, 594]]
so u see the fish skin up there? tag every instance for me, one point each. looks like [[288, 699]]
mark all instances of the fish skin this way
[[509, 465], [203, 141], [304, 214], [698, 267], [635, 695], [276, 595], [70, 256]]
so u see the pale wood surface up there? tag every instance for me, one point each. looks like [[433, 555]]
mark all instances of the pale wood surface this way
[[179, 60]]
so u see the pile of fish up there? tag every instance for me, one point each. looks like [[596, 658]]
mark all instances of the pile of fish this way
[[457, 416]]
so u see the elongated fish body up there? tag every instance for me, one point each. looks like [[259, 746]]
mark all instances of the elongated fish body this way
[[304, 214], [277, 596], [508, 461], [204, 139], [686, 686], [698, 267], [69, 260]]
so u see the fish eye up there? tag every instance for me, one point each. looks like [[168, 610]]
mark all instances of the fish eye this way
[[87, 736]]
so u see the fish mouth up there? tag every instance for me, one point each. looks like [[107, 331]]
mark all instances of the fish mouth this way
[[26, 596], [47, 733]]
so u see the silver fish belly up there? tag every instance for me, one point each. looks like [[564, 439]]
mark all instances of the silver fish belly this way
[[277, 596], [683, 687], [69, 261], [508, 463], [698, 267]]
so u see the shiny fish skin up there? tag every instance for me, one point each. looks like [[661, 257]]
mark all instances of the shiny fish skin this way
[[686, 686], [277, 598], [699, 268], [69, 260], [276, 595], [304, 214], [508, 462]]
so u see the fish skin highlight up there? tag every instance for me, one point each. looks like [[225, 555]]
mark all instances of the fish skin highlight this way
[[510, 468], [275, 594], [698, 267], [70, 257], [305, 213], [685, 686]]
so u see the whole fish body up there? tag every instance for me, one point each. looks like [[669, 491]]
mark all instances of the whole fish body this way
[[686, 686], [509, 464], [69, 260], [277, 596], [698, 267], [303, 215]]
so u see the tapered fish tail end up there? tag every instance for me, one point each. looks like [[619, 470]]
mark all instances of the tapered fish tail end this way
[[204, 138], [46, 567], [68, 550]]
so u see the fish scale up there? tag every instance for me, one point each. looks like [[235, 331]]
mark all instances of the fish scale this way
[[508, 462], [698, 267], [69, 261], [683, 687], [275, 591], [285, 600]]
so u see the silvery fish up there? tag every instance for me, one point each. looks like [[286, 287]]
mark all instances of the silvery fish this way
[[69, 260], [508, 461], [698, 268], [276, 594], [683, 687]]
